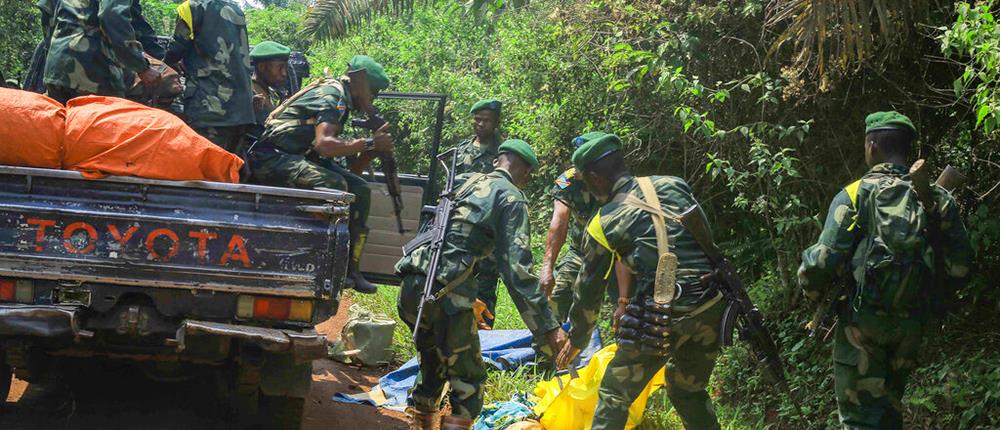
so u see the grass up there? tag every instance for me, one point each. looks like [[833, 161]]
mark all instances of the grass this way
[[501, 386]]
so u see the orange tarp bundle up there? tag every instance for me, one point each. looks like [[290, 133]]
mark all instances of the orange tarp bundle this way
[[31, 129], [112, 136]]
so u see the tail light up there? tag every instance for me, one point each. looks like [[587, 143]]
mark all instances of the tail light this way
[[17, 290], [272, 308]]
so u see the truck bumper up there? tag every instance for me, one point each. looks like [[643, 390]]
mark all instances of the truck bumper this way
[[304, 346], [64, 322]]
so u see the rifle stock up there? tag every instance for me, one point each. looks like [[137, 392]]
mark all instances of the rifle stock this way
[[373, 122]]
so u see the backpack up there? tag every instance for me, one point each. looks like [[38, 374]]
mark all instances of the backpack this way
[[893, 262]]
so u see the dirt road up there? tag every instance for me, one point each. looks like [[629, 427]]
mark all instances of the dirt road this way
[[124, 399]]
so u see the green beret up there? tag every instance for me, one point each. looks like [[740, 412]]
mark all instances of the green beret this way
[[522, 149], [891, 120], [597, 145], [377, 79], [583, 138], [270, 51], [491, 104]]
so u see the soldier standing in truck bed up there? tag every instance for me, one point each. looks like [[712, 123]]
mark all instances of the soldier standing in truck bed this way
[[94, 48], [270, 72], [210, 43]]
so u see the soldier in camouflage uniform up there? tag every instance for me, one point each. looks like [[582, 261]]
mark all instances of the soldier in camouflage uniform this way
[[94, 48], [270, 71], [570, 200], [476, 155], [302, 135], [625, 232], [880, 331], [490, 218], [210, 40]]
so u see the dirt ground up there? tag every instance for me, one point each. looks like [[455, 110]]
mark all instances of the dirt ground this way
[[124, 399]]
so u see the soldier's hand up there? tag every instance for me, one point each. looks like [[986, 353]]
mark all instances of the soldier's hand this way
[[556, 339], [546, 280], [150, 77], [566, 356], [479, 309], [617, 317], [384, 142]]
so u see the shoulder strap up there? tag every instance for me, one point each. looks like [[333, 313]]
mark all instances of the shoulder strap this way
[[321, 81]]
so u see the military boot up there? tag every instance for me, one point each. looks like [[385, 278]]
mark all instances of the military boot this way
[[453, 422], [358, 282], [420, 420]]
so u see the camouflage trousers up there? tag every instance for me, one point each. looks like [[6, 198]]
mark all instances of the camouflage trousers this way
[[487, 278], [448, 351], [562, 293], [282, 169], [231, 138], [689, 360], [64, 94], [872, 360]]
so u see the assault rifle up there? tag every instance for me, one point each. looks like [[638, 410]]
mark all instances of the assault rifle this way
[[950, 179], [436, 230], [740, 313], [373, 122]]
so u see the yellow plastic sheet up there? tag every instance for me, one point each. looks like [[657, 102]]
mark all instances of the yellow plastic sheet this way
[[572, 408]]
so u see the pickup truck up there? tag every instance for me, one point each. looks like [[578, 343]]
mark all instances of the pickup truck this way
[[180, 276]]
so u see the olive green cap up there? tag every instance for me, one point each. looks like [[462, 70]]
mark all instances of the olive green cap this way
[[522, 149], [487, 104], [597, 145], [377, 79], [270, 51], [890, 120], [583, 138]]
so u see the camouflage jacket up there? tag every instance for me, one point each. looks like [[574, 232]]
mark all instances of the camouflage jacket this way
[[210, 38], [272, 98], [573, 193], [626, 232], [93, 45], [474, 157], [839, 250], [490, 218], [293, 129]]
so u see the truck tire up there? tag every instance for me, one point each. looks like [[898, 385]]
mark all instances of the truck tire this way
[[5, 377], [281, 413]]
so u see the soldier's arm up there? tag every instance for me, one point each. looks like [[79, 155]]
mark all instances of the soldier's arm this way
[[328, 144], [823, 262], [116, 23], [958, 250], [145, 33], [554, 242], [512, 250], [588, 292], [183, 41]]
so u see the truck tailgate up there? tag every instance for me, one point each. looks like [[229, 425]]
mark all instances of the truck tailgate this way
[[191, 235]]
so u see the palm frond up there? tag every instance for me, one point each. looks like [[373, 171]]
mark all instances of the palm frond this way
[[330, 19], [838, 36]]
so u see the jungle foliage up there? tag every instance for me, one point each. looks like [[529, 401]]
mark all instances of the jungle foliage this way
[[758, 104]]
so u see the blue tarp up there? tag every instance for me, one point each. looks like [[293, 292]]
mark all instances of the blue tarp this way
[[502, 349]]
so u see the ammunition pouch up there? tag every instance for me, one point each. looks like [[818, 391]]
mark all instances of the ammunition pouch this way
[[645, 327]]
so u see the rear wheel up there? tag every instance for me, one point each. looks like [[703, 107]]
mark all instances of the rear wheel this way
[[278, 412], [5, 377]]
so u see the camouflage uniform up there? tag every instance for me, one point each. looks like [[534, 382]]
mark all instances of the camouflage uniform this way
[[283, 157], [623, 231], [490, 218], [474, 157], [573, 193], [93, 47], [211, 40], [876, 344], [272, 98]]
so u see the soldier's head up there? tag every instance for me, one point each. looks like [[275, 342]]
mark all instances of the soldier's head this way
[[486, 117], [888, 138], [270, 63], [518, 159], [368, 78], [600, 161]]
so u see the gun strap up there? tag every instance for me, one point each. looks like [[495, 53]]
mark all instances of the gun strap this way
[[281, 125], [666, 288]]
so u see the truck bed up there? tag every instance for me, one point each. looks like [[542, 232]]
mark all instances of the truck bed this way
[[56, 225]]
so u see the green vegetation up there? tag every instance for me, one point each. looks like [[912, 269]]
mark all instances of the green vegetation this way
[[759, 105]]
